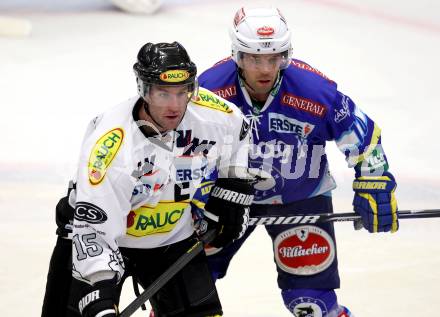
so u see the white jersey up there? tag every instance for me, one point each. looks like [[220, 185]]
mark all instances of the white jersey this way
[[135, 191]]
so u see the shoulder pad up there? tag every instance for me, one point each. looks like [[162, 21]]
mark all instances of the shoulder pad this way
[[307, 67], [224, 60], [206, 98]]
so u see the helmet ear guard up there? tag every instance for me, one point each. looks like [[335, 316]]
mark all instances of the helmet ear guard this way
[[164, 64], [260, 31]]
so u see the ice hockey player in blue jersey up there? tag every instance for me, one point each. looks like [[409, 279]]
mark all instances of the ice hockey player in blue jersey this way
[[294, 109]]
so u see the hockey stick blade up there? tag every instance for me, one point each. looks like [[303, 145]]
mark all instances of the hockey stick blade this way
[[168, 274], [333, 217]]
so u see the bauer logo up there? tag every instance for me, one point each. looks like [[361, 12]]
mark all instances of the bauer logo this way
[[89, 213], [174, 76], [103, 154], [304, 250]]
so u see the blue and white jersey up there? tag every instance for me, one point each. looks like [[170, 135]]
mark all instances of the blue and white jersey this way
[[303, 111]]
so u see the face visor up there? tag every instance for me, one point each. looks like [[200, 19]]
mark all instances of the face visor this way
[[165, 94], [277, 61]]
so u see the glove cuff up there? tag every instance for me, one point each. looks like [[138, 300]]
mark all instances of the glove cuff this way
[[107, 313], [375, 184], [233, 190], [98, 299]]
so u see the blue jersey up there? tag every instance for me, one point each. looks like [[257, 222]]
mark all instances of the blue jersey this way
[[303, 111]]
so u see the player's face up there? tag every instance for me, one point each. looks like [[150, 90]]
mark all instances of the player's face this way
[[260, 71], [167, 105]]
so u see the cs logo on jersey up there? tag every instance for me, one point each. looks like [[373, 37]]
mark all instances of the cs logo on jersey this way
[[89, 213]]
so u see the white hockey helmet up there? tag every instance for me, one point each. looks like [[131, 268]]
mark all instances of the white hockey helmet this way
[[260, 31]]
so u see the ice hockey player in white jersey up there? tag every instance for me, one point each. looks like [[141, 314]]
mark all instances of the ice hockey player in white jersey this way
[[140, 165]]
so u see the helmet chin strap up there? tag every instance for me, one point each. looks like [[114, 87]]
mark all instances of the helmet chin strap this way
[[249, 87], [240, 73], [147, 111]]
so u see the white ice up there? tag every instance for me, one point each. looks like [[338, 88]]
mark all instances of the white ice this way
[[77, 63]]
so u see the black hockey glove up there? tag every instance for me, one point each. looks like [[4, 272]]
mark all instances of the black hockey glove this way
[[98, 299], [64, 214], [227, 209], [64, 217]]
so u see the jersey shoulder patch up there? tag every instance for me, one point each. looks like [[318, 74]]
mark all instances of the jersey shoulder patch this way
[[103, 153], [307, 67], [224, 60], [208, 99]]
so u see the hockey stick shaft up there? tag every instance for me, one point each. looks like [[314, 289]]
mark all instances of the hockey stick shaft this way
[[258, 220], [333, 217], [167, 275]]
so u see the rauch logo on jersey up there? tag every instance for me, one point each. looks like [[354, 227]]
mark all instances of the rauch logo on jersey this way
[[208, 99], [148, 220], [103, 154], [304, 250], [303, 104], [89, 213]]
